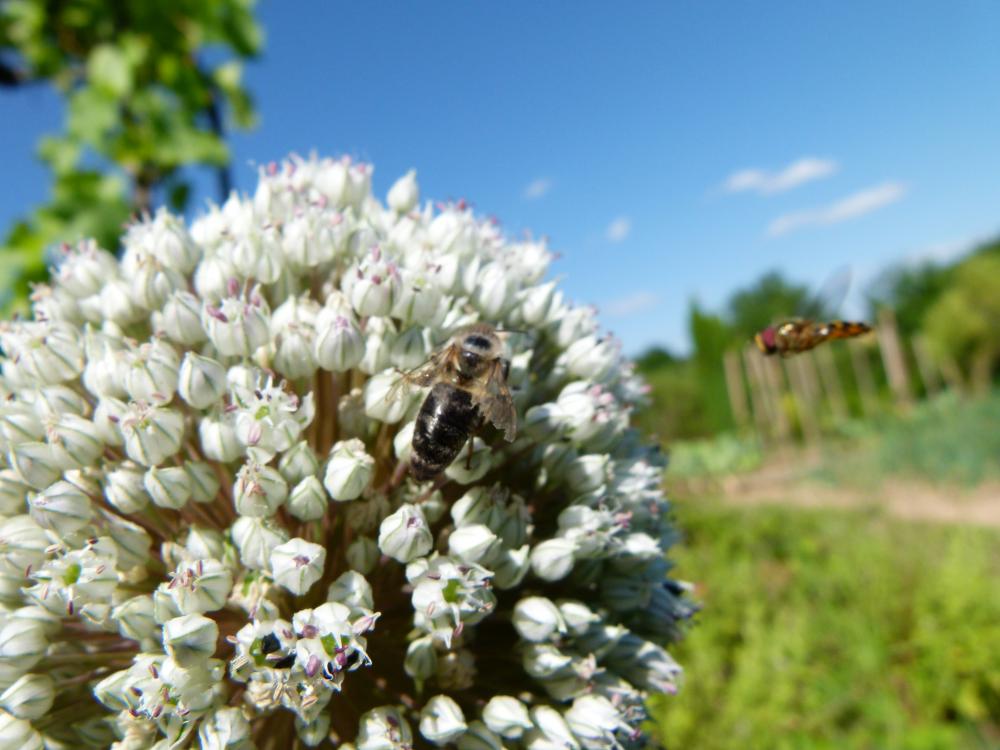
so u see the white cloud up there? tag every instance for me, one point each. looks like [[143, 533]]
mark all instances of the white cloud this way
[[799, 172], [536, 189], [631, 304], [855, 205], [945, 252], [619, 229]]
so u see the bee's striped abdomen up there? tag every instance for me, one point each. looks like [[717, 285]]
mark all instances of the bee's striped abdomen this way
[[445, 421]]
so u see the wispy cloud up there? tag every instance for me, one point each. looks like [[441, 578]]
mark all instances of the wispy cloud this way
[[631, 304], [799, 172], [537, 188], [854, 205], [945, 252], [619, 229]]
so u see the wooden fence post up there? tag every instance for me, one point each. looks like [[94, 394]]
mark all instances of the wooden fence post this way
[[892, 357], [805, 398], [736, 389], [762, 411], [929, 372], [863, 377], [830, 379]]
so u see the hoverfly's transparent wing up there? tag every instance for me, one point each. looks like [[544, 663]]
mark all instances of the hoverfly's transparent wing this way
[[825, 303]]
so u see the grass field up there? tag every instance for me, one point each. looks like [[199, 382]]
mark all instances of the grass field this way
[[835, 629]]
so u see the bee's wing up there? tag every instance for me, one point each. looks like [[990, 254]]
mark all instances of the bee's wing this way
[[420, 376], [495, 402]]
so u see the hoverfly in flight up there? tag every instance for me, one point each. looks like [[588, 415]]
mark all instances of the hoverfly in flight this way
[[796, 335]]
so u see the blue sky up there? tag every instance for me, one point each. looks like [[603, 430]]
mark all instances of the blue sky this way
[[669, 150]]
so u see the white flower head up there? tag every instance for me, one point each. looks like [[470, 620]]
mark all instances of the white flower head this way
[[208, 520]]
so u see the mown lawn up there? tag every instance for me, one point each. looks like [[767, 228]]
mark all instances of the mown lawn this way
[[835, 629]]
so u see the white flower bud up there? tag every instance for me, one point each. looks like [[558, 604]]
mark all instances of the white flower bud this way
[[351, 588], [510, 567], [151, 373], [339, 345], [166, 238], [588, 472], [190, 639], [552, 729], [315, 732], [383, 728], [61, 508], [464, 471], [33, 464], [255, 538], [201, 381], [411, 348], [441, 720], [116, 304], [20, 424], [298, 462], [376, 288], [204, 481], [404, 193], [12, 493], [259, 490], [200, 586], [108, 415], [507, 716], [180, 319], [224, 728], [307, 501], [22, 544], [591, 357], [169, 487], [362, 554], [421, 659], [384, 403], [479, 737], [152, 434], [125, 488], [348, 471], [73, 442], [553, 559], [218, 439], [30, 697], [493, 291], [419, 301], [472, 543], [237, 327], [85, 269], [18, 734], [135, 619], [593, 719], [404, 536], [536, 302], [297, 565], [23, 639], [293, 333], [537, 619]]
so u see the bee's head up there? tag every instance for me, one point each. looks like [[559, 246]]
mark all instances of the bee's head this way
[[477, 349], [766, 341]]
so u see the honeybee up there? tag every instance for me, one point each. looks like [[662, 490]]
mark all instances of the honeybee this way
[[468, 376], [795, 336]]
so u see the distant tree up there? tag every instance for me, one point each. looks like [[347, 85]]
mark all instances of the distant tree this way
[[768, 299], [142, 102], [711, 337], [656, 358], [964, 322], [910, 291]]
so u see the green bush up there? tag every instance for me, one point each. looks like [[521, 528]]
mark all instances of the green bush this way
[[836, 629]]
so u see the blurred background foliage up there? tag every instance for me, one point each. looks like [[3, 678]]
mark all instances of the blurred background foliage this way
[[150, 88], [823, 627]]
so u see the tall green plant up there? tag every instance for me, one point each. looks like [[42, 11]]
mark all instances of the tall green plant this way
[[142, 103]]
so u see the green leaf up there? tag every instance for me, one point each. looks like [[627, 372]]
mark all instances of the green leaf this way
[[60, 153], [109, 69], [92, 115]]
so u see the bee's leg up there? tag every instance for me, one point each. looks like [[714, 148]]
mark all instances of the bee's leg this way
[[468, 456]]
